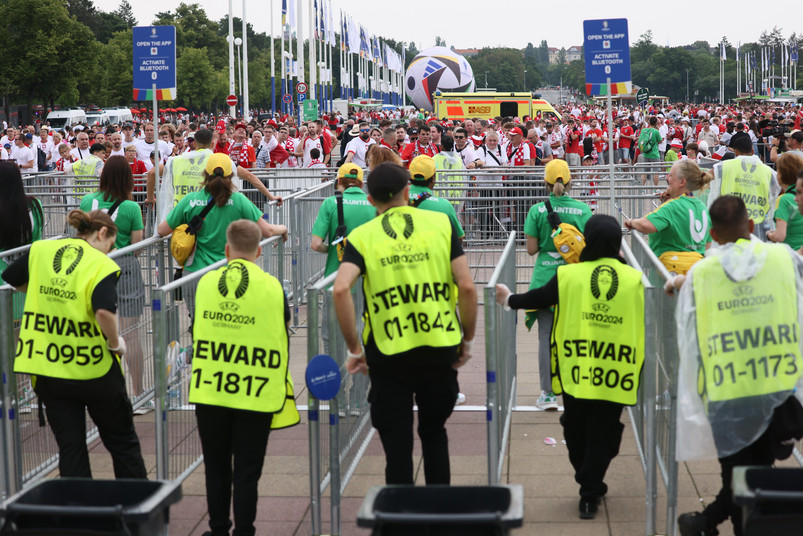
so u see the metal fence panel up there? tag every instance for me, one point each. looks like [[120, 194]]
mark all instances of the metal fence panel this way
[[500, 361], [336, 451]]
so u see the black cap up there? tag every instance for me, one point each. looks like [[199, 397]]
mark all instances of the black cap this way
[[387, 180], [128, 125], [412, 131]]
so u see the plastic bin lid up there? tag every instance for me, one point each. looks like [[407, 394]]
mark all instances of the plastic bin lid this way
[[421, 505]]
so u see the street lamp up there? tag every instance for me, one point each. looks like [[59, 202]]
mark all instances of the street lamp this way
[[687, 86], [238, 43], [525, 79]]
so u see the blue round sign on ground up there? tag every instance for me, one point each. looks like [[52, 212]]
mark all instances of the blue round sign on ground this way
[[323, 377], [287, 98]]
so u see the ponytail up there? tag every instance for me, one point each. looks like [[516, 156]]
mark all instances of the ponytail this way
[[218, 186], [88, 223]]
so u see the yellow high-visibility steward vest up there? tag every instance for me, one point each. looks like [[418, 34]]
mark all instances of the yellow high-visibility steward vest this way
[[240, 340], [598, 332], [408, 283], [750, 180], [188, 173], [59, 335], [86, 181], [747, 331]]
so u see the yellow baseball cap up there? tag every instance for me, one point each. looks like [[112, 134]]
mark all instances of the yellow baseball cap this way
[[350, 171], [557, 169], [219, 160], [422, 168]]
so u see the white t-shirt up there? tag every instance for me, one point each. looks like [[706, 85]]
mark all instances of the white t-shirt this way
[[127, 143], [144, 150], [80, 154], [4, 154], [46, 147], [358, 148], [309, 145], [664, 131], [22, 155], [495, 158], [467, 154], [121, 152]]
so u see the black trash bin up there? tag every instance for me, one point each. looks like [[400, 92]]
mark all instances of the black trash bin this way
[[771, 500], [77, 506], [442, 510]]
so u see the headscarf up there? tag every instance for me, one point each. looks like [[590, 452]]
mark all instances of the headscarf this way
[[603, 236]]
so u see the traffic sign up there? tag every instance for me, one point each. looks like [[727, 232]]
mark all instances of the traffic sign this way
[[301, 88], [231, 100], [301, 97], [642, 95], [287, 99], [607, 56], [154, 56]]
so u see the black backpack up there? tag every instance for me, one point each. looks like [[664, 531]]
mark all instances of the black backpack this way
[[41, 159]]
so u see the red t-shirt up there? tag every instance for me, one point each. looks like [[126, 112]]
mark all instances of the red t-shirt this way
[[574, 146], [224, 148], [625, 143], [244, 158], [411, 150], [598, 145], [137, 167]]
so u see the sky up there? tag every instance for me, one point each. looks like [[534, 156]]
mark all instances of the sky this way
[[473, 25]]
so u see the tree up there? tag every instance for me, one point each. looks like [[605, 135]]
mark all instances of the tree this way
[[126, 13], [115, 74], [200, 84], [63, 46], [439, 41], [543, 53]]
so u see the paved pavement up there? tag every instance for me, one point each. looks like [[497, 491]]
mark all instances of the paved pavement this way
[[550, 492]]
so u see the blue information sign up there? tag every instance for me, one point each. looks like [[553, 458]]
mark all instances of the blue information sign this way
[[154, 62], [301, 97], [607, 55]]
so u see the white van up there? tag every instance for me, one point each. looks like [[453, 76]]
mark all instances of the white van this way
[[119, 115], [66, 118], [98, 117]]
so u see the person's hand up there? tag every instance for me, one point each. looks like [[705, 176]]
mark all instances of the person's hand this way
[[629, 224], [281, 230], [464, 353], [502, 294], [151, 200], [120, 349], [356, 363], [673, 284], [665, 196], [279, 200]]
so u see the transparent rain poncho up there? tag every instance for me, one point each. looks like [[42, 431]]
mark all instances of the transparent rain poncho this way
[[735, 423]]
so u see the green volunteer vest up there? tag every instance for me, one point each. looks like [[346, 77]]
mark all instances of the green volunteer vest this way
[[59, 336], [747, 331], [85, 169], [408, 281], [598, 333], [240, 340], [188, 173], [750, 180]]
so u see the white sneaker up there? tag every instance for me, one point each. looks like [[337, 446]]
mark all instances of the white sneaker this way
[[547, 401], [461, 399], [145, 408]]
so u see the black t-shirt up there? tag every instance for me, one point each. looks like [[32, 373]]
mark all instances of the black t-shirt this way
[[423, 356], [103, 297]]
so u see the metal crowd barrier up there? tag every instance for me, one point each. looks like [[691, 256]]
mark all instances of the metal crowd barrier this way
[[307, 265], [336, 451], [500, 361], [178, 447], [32, 448], [654, 418]]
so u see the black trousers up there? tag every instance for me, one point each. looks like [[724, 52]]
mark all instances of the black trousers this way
[[393, 390], [593, 434], [242, 435], [760, 452], [66, 403]]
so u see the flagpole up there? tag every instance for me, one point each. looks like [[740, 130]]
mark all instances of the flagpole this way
[[272, 73], [244, 89]]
